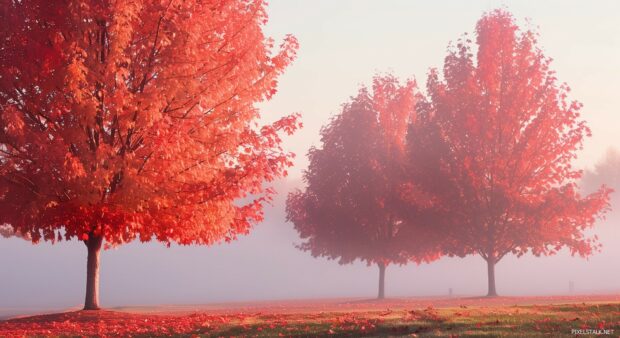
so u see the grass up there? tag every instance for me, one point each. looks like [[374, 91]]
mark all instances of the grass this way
[[513, 321], [363, 320]]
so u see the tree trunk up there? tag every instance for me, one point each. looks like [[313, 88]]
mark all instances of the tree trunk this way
[[93, 244], [381, 281], [491, 275]]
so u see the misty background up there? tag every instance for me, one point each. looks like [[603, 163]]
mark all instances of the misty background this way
[[342, 44]]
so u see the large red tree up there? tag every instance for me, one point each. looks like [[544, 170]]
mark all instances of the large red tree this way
[[500, 137], [351, 207], [136, 119]]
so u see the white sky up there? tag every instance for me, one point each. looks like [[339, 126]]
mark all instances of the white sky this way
[[343, 43]]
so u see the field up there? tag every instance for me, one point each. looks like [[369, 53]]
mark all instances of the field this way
[[417, 317]]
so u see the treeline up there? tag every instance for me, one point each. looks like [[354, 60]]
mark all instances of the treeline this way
[[477, 164]]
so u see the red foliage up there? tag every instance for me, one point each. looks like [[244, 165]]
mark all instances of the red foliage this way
[[109, 324], [499, 137], [295, 318], [136, 119], [351, 207]]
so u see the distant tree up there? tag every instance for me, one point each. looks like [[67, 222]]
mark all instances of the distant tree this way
[[499, 140], [7, 231], [606, 171], [351, 207], [136, 119]]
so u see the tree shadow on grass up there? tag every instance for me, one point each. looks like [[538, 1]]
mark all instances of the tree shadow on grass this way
[[389, 330]]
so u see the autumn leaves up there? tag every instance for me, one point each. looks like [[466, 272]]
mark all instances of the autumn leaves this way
[[131, 120], [479, 164]]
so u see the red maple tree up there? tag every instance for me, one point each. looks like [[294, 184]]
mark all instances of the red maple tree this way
[[136, 119], [351, 207], [500, 135]]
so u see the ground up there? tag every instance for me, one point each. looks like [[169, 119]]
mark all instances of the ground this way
[[421, 317]]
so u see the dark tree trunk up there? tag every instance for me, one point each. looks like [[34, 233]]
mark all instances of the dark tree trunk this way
[[93, 244], [491, 261], [381, 281]]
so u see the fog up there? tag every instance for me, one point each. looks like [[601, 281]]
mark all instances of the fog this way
[[266, 266], [342, 44]]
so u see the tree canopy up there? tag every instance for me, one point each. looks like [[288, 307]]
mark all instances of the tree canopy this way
[[352, 206], [501, 137], [130, 119]]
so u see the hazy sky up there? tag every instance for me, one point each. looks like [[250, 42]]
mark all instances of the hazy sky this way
[[343, 43]]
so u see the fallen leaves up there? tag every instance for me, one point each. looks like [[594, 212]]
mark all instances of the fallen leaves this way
[[107, 324], [401, 318], [428, 314]]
